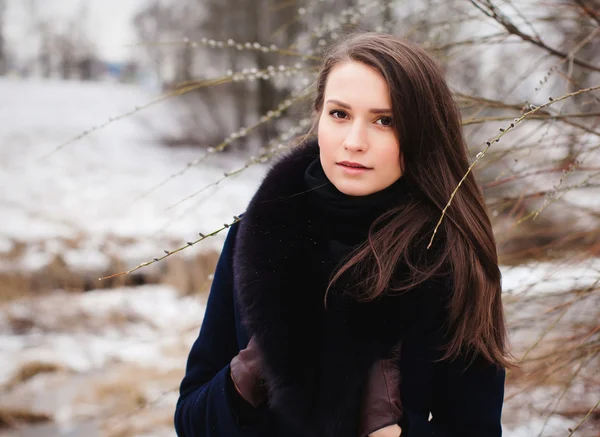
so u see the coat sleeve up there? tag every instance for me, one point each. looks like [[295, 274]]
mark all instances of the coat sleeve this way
[[205, 407], [467, 402]]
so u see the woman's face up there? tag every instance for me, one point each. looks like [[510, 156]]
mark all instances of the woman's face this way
[[359, 150]]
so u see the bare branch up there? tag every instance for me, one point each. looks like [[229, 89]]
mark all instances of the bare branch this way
[[230, 43], [503, 131], [168, 253], [501, 19], [271, 115], [584, 419], [588, 11], [534, 117]]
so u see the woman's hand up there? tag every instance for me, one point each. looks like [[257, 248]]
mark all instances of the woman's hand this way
[[246, 370], [388, 431], [382, 402]]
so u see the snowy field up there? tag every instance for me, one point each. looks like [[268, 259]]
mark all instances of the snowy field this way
[[96, 191], [108, 362]]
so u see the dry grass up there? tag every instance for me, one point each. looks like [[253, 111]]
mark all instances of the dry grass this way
[[12, 418], [69, 320], [559, 375], [133, 410], [14, 286], [125, 390], [31, 369], [187, 276], [121, 395], [147, 424]]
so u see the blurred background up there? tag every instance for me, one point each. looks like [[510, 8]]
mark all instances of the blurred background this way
[[131, 127]]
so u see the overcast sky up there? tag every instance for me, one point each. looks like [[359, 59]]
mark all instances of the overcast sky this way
[[108, 23]]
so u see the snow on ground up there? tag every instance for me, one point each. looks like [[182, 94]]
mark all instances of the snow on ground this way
[[87, 191], [550, 277], [100, 339], [540, 302], [556, 426], [85, 332], [102, 351]]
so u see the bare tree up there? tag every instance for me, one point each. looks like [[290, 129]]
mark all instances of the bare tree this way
[[3, 54], [151, 23], [244, 22]]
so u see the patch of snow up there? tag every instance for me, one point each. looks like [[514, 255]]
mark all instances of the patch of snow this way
[[556, 426], [83, 332], [6, 245], [86, 258], [34, 259], [98, 187], [550, 277]]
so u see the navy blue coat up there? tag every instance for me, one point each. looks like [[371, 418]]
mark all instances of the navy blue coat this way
[[316, 359]]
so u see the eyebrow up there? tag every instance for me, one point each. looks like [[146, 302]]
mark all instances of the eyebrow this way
[[372, 110]]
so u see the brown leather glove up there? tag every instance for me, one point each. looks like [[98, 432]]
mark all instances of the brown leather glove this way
[[247, 374], [381, 404]]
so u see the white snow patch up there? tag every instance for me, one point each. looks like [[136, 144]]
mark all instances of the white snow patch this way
[[86, 258], [556, 426], [86, 331], [6, 245], [98, 188], [550, 277], [34, 259]]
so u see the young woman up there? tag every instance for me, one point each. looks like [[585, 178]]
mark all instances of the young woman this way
[[329, 316]]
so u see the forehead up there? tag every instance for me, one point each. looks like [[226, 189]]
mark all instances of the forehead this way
[[357, 84]]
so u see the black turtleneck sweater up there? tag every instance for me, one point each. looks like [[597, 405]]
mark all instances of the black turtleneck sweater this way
[[348, 218]]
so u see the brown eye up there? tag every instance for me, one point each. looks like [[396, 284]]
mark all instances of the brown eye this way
[[336, 113], [385, 121]]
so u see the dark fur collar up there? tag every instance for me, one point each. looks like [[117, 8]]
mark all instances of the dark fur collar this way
[[316, 359]]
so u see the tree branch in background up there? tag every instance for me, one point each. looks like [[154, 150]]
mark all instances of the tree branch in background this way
[[589, 11], [503, 131], [174, 251], [505, 22]]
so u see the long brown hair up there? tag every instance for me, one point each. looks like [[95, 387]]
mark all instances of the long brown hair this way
[[428, 126]]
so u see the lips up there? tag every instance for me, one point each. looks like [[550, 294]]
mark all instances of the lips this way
[[352, 165]]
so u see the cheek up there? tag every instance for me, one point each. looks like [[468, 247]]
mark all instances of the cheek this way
[[390, 157], [326, 136], [324, 126], [329, 128]]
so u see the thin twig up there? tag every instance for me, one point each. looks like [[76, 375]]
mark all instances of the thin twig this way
[[480, 155], [210, 43], [568, 305], [168, 253], [589, 12], [471, 121], [136, 109], [554, 197], [222, 146], [494, 13], [534, 173], [564, 391], [584, 419]]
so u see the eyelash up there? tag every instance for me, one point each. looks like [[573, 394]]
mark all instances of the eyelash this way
[[334, 111]]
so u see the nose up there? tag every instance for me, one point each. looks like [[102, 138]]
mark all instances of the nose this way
[[356, 140]]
